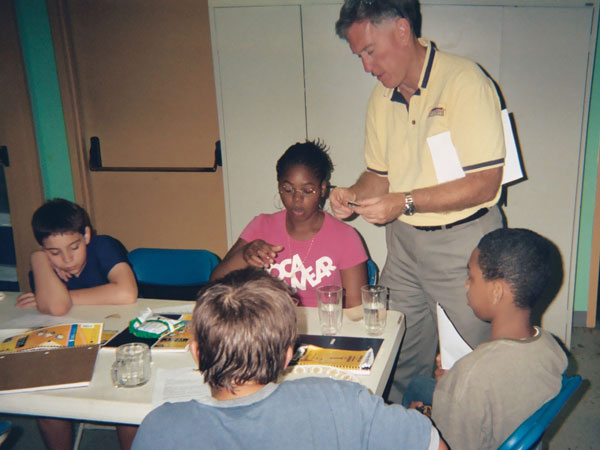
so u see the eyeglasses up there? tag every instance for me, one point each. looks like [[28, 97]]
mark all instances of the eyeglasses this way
[[285, 189]]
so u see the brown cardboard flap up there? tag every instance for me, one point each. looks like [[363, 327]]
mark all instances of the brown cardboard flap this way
[[47, 369]]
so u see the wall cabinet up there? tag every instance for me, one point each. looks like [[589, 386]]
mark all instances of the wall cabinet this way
[[283, 76]]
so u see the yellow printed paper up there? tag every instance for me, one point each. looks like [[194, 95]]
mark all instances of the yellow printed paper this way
[[58, 336], [344, 359]]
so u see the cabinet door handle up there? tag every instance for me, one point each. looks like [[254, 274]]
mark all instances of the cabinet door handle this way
[[95, 162]]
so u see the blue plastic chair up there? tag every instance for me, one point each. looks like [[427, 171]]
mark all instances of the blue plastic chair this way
[[171, 273], [530, 432], [4, 430], [372, 271]]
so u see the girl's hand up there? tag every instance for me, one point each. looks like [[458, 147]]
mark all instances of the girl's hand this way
[[26, 300], [259, 253]]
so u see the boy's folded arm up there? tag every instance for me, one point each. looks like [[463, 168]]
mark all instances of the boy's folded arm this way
[[52, 296], [121, 289]]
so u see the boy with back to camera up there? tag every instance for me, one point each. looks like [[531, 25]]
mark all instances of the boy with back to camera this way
[[488, 393], [244, 328], [74, 267]]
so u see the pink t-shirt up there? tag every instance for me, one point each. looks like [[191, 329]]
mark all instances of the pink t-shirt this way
[[305, 265]]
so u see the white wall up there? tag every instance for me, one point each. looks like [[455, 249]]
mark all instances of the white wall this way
[[283, 75]]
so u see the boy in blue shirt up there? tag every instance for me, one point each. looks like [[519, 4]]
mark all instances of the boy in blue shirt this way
[[244, 328], [75, 267]]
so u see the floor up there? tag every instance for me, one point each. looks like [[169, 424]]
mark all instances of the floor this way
[[577, 428]]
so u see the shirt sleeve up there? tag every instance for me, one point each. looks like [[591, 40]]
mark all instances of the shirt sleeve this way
[[476, 124], [110, 252], [407, 429], [353, 248], [253, 229], [375, 145], [461, 412]]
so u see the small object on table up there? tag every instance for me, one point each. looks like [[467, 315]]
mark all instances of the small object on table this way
[[330, 309], [149, 325], [132, 365], [374, 302], [355, 313]]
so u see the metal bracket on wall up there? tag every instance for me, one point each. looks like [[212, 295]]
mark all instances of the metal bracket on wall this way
[[4, 161], [95, 162]]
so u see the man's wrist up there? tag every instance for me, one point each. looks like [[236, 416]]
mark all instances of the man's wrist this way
[[409, 204]]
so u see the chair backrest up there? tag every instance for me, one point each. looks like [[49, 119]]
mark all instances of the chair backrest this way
[[529, 433], [155, 268], [372, 271]]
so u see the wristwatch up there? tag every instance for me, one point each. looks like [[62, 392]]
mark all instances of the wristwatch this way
[[409, 204]]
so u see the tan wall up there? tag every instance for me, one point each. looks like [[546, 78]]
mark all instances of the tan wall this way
[[138, 75]]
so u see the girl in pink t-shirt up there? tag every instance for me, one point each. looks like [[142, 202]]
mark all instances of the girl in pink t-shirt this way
[[302, 245]]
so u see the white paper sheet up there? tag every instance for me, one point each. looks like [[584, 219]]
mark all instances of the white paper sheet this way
[[512, 165], [452, 345], [178, 385], [33, 319], [445, 159]]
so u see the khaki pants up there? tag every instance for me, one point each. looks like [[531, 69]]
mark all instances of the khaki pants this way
[[425, 267]]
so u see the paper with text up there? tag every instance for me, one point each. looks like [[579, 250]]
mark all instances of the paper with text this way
[[452, 345], [512, 165], [445, 158], [178, 385]]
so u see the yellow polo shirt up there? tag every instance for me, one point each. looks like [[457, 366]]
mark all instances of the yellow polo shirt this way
[[454, 95]]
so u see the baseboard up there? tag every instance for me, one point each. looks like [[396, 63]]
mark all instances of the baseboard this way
[[579, 318]]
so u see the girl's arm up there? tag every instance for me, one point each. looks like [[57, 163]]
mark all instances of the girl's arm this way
[[353, 279], [257, 253]]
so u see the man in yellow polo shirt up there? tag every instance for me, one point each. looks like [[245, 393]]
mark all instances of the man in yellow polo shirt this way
[[434, 149]]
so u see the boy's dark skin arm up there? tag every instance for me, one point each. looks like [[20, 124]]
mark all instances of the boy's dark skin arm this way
[[257, 253], [53, 297]]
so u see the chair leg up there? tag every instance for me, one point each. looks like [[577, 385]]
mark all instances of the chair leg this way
[[78, 435]]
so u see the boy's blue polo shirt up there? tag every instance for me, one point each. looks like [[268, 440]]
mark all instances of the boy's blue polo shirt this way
[[103, 253]]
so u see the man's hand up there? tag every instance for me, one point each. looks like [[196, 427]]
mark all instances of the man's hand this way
[[259, 253], [26, 300], [383, 209], [338, 199]]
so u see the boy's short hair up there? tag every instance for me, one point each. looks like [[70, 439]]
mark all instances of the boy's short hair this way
[[522, 258], [243, 324], [58, 216], [376, 11]]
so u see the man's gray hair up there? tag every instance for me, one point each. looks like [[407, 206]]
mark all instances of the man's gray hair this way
[[376, 11]]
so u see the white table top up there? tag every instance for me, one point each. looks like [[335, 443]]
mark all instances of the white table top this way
[[101, 401]]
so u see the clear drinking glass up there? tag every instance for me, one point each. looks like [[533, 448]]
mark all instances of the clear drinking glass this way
[[330, 309], [374, 301], [132, 365]]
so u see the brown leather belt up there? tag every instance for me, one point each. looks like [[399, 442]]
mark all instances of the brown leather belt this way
[[480, 213]]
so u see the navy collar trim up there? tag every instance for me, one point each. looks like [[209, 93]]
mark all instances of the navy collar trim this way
[[398, 97]]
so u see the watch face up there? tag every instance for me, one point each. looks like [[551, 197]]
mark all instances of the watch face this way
[[409, 205]]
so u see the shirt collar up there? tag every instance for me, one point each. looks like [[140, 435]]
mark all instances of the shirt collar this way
[[425, 71], [241, 401]]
